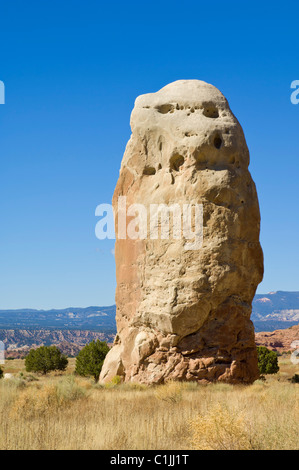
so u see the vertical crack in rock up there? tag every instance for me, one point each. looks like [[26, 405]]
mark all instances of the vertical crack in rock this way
[[185, 314]]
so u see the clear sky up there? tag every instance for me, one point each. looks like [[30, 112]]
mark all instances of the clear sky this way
[[72, 71]]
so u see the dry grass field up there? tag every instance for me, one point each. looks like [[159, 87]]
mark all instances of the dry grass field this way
[[61, 411]]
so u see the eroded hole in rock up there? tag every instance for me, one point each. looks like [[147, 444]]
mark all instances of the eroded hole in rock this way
[[211, 112], [217, 142], [149, 170], [159, 166], [176, 161], [165, 108], [190, 134]]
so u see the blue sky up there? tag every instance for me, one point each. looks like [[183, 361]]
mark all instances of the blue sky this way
[[72, 71]]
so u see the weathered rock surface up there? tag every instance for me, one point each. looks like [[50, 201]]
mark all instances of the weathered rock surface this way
[[185, 314]]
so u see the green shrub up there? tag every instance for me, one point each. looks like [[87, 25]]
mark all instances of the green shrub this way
[[45, 359], [267, 361], [90, 359], [295, 379]]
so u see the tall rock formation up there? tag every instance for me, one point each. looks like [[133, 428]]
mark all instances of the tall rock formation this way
[[183, 313]]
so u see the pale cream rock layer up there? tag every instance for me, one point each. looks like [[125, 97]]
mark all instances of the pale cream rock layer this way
[[185, 314]]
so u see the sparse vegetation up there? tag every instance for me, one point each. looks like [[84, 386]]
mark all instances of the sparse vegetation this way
[[267, 361], [220, 428], [43, 413], [45, 359], [90, 359], [171, 392]]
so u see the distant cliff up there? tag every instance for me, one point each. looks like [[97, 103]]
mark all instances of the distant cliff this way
[[72, 328], [70, 342]]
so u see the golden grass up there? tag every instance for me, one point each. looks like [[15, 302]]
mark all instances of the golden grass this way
[[61, 411]]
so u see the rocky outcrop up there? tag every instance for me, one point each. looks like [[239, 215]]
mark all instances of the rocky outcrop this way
[[183, 310]]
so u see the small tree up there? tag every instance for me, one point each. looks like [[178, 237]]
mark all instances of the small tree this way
[[267, 361], [1, 373], [45, 359], [295, 379], [91, 358]]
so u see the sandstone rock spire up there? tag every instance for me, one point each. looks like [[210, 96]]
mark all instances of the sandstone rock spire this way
[[185, 314]]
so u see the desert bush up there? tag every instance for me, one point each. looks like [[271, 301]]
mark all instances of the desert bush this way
[[295, 379], [220, 429], [42, 400], [90, 359], [114, 382], [68, 390], [35, 402], [267, 361], [171, 392], [45, 359]]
